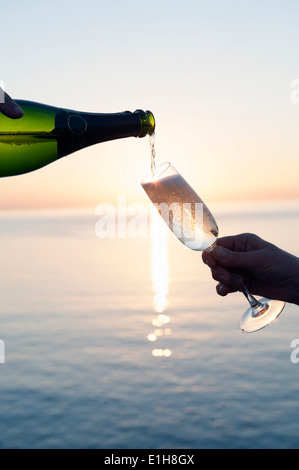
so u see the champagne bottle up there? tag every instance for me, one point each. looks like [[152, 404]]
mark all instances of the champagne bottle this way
[[46, 133]]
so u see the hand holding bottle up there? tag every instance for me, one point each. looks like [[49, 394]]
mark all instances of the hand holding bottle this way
[[264, 268], [9, 107]]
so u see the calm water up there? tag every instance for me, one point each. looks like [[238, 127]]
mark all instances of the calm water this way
[[78, 319]]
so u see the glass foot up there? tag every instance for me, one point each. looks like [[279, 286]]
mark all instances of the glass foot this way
[[255, 319]]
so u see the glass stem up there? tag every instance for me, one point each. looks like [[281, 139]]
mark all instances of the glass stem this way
[[257, 307]]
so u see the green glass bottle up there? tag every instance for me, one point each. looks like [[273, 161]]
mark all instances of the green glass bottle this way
[[46, 133]]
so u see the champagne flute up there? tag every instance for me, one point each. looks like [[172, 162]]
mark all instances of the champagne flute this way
[[193, 224]]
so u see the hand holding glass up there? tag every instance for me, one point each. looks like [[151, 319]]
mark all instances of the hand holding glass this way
[[193, 224]]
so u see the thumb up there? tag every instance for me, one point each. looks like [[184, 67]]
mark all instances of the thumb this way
[[235, 259], [9, 107]]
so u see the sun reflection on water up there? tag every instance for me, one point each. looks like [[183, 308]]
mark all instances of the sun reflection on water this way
[[160, 281]]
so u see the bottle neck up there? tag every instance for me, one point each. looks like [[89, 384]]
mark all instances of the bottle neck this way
[[85, 129]]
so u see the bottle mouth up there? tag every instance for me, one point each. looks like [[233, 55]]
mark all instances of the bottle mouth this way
[[147, 122]]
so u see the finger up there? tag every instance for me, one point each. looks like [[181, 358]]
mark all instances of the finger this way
[[223, 289], [222, 275], [242, 242], [236, 259], [209, 260], [10, 108]]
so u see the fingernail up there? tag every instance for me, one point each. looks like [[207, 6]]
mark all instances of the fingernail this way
[[220, 289], [17, 110]]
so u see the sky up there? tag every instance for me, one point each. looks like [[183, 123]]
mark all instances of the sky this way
[[221, 78]]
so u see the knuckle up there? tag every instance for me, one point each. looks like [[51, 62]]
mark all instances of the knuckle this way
[[251, 237], [214, 275]]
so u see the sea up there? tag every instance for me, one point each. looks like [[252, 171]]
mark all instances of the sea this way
[[121, 342]]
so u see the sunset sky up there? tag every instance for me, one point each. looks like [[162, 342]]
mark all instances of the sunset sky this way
[[219, 76]]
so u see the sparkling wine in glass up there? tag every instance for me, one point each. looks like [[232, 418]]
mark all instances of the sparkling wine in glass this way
[[193, 224]]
